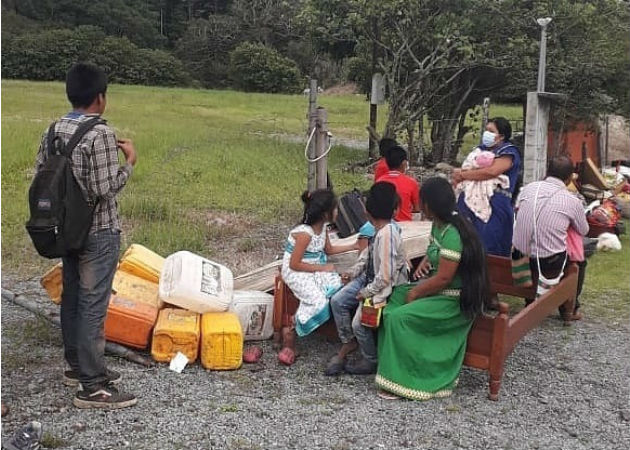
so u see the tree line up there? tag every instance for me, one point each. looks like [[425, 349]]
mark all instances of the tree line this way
[[439, 58]]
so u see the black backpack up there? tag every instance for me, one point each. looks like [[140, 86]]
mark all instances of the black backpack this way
[[350, 215], [61, 217]]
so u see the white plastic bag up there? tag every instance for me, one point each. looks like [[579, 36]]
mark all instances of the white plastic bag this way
[[608, 242]]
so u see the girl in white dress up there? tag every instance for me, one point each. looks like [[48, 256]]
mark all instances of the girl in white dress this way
[[305, 269]]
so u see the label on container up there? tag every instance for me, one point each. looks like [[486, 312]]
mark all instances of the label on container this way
[[210, 278], [178, 317], [256, 322]]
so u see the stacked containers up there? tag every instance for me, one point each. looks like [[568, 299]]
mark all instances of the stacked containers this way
[[142, 262], [136, 288], [129, 322], [221, 341], [195, 283], [255, 312], [176, 330], [52, 281]]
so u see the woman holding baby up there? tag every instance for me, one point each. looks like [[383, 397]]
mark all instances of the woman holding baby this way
[[486, 183]]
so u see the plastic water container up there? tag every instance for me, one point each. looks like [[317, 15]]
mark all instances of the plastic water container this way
[[142, 262], [52, 281], [221, 341], [129, 322], [195, 283], [255, 312], [176, 330], [137, 289]]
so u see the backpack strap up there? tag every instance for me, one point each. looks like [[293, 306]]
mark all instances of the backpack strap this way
[[50, 139], [81, 130]]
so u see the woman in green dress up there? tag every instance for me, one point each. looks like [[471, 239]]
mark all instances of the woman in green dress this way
[[422, 340]]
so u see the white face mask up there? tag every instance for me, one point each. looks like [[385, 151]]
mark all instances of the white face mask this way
[[488, 138]]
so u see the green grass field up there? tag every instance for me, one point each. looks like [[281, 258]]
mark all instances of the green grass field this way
[[199, 152], [206, 153]]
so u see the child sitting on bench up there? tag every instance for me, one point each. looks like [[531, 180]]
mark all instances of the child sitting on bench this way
[[305, 269], [380, 267]]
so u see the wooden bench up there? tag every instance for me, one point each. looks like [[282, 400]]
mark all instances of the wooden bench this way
[[492, 337]]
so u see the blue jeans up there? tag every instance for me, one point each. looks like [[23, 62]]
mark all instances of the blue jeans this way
[[347, 314], [87, 287]]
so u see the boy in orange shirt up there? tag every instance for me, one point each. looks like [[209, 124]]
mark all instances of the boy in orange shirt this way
[[383, 148], [407, 187]]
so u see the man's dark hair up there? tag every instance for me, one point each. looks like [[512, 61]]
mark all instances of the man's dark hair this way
[[382, 200], [503, 127], [385, 145], [83, 84], [560, 167], [395, 157]]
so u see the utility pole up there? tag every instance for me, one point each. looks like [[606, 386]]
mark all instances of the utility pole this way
[[542, 59], [373, 108], [321, 147], [312, 123], [484, 116]]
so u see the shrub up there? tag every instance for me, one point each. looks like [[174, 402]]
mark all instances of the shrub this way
[[48, 55], [127, 64], [257, 68]]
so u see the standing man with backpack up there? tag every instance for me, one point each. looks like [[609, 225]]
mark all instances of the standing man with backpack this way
[[82, 141]]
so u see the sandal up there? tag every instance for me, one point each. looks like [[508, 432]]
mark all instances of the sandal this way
[[335, 366], [252, 355], [286, 356], [388, 395]]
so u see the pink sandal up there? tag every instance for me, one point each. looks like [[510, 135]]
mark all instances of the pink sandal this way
[[252, 355], [286, 356]]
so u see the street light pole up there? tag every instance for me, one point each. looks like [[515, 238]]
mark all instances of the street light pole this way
[[543, 22]]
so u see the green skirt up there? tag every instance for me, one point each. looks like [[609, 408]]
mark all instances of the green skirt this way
[[421, 345]]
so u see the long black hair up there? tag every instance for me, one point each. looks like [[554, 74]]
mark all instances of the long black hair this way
[[438, 197], [317, 205]]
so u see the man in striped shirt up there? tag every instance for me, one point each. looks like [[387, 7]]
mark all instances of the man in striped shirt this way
[[545, 211], [88, 275]]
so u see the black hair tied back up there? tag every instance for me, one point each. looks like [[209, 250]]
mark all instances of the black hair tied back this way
[[318, 205], [438, 196]]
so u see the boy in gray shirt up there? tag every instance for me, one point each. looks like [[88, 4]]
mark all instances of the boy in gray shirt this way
[[379, 268]]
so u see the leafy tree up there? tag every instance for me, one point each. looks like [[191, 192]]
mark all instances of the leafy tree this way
[[441, 58], [205, 49], [131, 18], [255, 67], [49, 54]]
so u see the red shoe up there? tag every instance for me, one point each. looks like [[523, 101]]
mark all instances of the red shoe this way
[[252, 355]]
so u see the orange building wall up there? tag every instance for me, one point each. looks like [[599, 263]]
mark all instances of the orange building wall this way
[[570, 142]]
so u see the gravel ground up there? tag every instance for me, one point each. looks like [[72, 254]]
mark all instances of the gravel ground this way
[[564, 388]]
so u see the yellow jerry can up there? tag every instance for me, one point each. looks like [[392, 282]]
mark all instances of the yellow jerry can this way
[[142, 262], [221, 341], [135, 288], [176, 330], [52, 281]]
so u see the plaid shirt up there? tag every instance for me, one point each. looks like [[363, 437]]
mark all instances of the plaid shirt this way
[[95, 167]]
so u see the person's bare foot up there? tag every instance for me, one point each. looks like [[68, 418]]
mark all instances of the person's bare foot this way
[[348, 348], [288, 338]]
